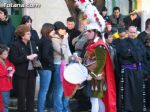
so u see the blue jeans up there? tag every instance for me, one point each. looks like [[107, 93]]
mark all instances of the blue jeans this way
[[6, 100], [45, 78], [60, 102]]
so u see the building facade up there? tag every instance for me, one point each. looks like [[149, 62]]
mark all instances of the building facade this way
[[43, 11]]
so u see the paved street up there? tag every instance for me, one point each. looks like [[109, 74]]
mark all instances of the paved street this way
[[13, 107]]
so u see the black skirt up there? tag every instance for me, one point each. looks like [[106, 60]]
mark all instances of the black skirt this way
[[131, 91]]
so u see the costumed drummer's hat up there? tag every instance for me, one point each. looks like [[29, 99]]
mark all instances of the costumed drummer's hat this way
[[92, 14], [92, 26]]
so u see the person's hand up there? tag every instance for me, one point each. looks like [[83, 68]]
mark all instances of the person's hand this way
[[100, 77], [65, 34], [11, 71], [78, 59], [32, 56], [9, 68], [89, 77]]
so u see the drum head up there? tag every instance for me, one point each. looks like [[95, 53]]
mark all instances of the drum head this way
[[75, 73]]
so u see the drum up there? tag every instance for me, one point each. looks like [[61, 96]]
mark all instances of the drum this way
[[75, 73]]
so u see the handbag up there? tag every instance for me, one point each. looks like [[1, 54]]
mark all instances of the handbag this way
[[36, 62]]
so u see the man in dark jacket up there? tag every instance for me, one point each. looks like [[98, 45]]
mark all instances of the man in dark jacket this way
[[6, 28], [72, 31], [116, 19], [143, 34]]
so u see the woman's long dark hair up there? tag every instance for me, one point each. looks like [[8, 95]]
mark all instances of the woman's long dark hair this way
[[26, 19], [46, 29]]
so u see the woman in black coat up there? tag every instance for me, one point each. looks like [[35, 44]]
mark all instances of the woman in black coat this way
[[28, 21], [20, 55], [47, 58]]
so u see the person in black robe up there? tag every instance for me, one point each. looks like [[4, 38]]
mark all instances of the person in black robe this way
[[147, 77], [143, 36], [131, 91], [122, 35], [116, 43]]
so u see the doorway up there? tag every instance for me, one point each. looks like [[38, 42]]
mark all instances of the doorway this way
[[15, 13]]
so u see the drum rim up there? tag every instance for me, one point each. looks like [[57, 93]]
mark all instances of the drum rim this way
[[73, 80]]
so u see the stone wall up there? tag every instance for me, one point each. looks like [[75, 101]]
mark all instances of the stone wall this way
[[145, 12], [50, 11]]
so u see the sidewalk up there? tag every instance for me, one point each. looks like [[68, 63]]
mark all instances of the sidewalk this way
[[13, 106]]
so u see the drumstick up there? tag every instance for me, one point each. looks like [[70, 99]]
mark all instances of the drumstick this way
[[79, 62], [75, 54], [93, 74]]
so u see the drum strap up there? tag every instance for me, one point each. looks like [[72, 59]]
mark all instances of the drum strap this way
[[62, 55]]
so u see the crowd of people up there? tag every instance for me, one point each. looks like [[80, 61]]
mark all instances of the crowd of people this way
[[118, 68]]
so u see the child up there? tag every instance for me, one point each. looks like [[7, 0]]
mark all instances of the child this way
[[6, 72]]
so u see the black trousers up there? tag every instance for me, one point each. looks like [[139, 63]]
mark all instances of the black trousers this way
[[25, 88]]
